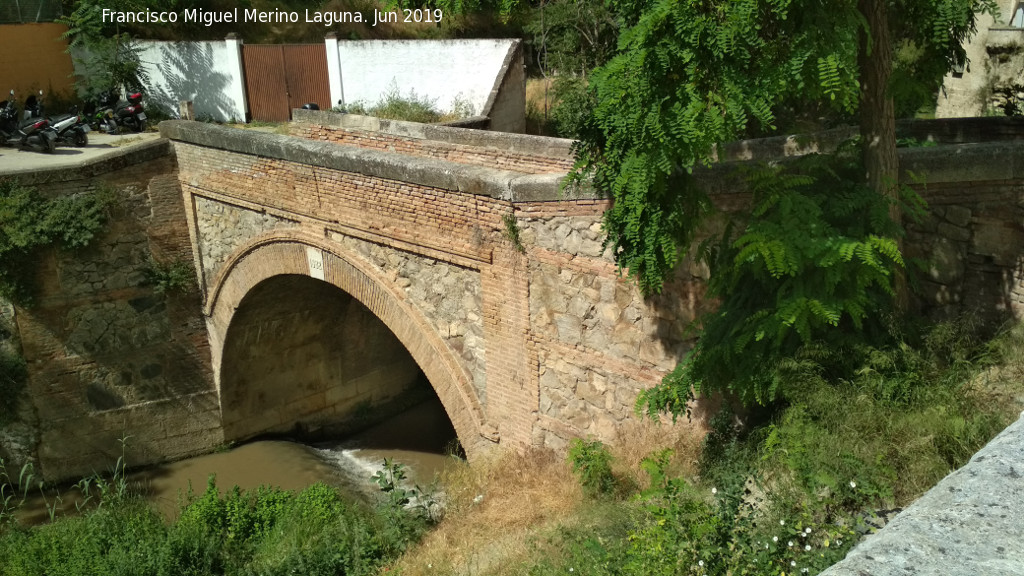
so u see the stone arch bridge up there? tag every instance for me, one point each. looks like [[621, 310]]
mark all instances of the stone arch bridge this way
[[340, 262]]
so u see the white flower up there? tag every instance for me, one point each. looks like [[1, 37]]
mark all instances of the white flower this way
[[853, 484], [714, 490], [570, 569], [807, 548], [700, 563], [839, 542], [807, 530], [790, 543], [792, 563], [775, 538], [765, 546], [782, 522]]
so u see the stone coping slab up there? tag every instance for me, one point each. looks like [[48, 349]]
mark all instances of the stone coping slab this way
[[970, 524], [500, 184]]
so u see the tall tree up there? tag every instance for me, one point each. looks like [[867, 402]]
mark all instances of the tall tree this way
[[693, 73]]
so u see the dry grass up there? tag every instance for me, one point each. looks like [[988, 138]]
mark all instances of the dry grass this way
[[500, 513], [494, 509], [538, 106], [639, 439]]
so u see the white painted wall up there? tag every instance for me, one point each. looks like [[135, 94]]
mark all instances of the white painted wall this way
[[439, 70], [207, 73]]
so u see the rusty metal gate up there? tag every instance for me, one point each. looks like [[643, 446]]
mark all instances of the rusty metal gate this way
[[279, 77]]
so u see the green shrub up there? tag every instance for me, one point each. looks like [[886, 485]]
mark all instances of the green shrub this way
[[812, 267], [591, 462], [29, 223], [411, 108], [178, 276], [267, 531]]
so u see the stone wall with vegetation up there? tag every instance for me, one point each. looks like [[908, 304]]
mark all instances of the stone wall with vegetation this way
[[108, 356], [565, 343], [19, 428], [598, 341]]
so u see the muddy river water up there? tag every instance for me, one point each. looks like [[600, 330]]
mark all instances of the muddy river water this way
[[420, 438]]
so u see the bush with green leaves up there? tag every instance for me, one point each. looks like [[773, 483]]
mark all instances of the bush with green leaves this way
[[811, 268], [591, 462], [411, 108], [266, 531], [792, 489], [30, 222], [177, 277]]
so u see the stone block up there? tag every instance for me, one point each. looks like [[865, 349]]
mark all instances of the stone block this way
[[946, 262], [953, 232], [958, 215]]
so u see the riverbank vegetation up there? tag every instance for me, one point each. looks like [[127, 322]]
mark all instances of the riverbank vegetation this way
[[268, 531], [782, 491]]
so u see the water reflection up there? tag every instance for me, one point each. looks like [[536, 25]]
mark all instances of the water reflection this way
[[421, 438]]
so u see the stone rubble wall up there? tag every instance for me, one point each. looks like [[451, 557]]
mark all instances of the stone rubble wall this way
[[19, 426], [107, 356], [222, 228], [598, 341], [1005, 69], [447, 294]]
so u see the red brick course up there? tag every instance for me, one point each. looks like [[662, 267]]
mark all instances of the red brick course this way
[[459, 153]]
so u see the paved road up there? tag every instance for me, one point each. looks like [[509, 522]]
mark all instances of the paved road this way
[[15, 160]]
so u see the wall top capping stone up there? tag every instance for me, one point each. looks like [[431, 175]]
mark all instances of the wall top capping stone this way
[[499, 184]]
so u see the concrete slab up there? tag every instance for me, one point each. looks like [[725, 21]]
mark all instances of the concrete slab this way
[[14, 161], [969, 524]]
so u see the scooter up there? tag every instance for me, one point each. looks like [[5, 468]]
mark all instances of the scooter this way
[[100, 112], [70, 129], [35, 133], [130, 113]]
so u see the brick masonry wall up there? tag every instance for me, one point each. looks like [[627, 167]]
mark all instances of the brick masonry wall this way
[[460, 153], [556, 343], [107, 356]]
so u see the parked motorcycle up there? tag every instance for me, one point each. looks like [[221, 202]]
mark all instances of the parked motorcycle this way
[[130, 113], [108, 112], [70, 128], [100, 112], [34, 133]]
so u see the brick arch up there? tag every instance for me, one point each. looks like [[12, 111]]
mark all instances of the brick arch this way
[[287, 252]]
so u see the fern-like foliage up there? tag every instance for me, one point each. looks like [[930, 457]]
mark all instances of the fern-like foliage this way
[[814, 264], [690, 74]]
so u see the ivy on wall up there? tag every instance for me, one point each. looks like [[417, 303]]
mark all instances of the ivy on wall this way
[[30, 223]]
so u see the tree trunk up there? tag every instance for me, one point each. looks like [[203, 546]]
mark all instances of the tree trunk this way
[[878, 117]]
